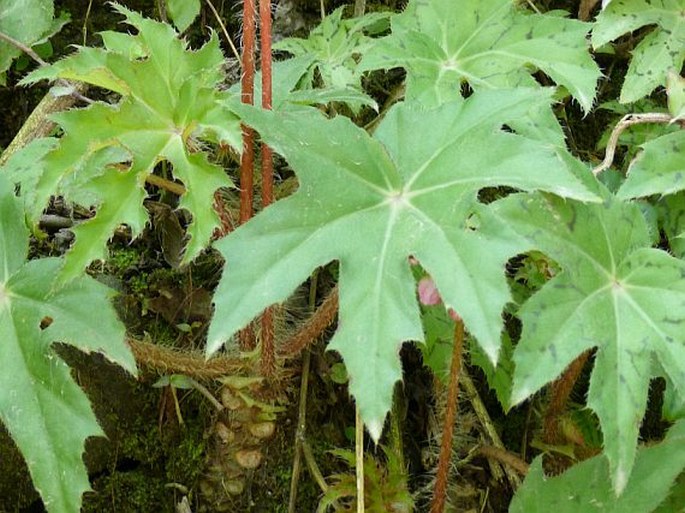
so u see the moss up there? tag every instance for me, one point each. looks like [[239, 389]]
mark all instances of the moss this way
[[129, 492], [15, 483], [121, 259], [150, 467]]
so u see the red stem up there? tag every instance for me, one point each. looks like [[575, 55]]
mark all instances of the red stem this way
[[440, 493], [247, 95], [267, 161], [247, 341], [268, 362], [559, 396]]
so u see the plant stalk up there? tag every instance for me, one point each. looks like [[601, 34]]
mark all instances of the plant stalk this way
[[560, 393], [440, 494], [359, 457], [247, 337], [268, 354]]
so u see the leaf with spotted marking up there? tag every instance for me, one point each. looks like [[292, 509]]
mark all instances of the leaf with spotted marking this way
[[586, 486], [658, 169], [486, 43], [616, 294], [370, 203], [661, 50]]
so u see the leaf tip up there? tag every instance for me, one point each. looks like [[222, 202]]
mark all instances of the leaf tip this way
[[620, 480], [518, 395], [375, 429]]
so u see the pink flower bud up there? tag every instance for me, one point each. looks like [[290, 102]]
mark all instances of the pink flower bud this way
[[428, 292]]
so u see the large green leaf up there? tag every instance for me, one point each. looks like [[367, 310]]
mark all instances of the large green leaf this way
[[487, 43], [616, 294], [586, 487], [168, 101], [45, 412], [658, 169], [661, 50], [370, 203]]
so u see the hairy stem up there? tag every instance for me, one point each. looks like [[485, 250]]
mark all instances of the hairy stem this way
[[247, 337], [359, 457], [440, 494], [561, 391], [313, 327], [267, 322]]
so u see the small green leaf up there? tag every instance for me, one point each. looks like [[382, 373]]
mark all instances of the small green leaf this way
[[28, 21], [499, 377], [674, 403], [333, 48], [370, 203], [615, 293], [586, 487], [675, 89], [671, 216], [438, 329], [659, 51], [339, 373], [45, 412], [658, 169], [333, 45], [175, 380], [182, 12], [324, 96]]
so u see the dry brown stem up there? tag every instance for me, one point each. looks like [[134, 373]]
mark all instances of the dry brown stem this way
[[505, 457]]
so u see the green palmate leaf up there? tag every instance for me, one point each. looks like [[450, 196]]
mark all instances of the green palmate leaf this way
[[28, 21], [616, 294], [169, 102], [658, 169], [660, 50], [287, 77], [370, 203], [41, 406], [333, 47], [487, 43], [586, 487]]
